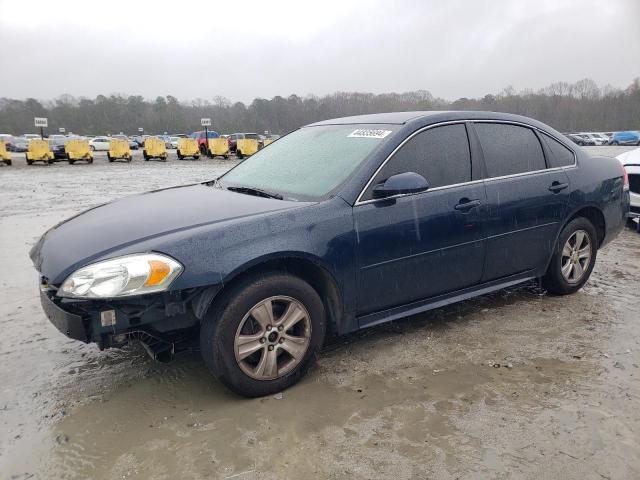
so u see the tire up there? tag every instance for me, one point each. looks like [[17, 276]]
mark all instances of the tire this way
[[109, 157], [71, 162], [90, 160], [29, 162], [196, 157], [554, 281], [615, 143], [7, 162], [226, 156], [180, 156], [145, 156], [231, 312], [92, 148], [239, 154], [129, 158]]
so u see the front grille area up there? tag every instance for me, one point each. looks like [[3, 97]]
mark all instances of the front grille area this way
[[634, 183]]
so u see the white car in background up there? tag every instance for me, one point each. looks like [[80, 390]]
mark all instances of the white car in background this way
[[598, 138], [99, 144], [631, 162]]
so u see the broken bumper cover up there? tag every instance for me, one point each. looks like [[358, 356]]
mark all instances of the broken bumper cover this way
[[68, 323]]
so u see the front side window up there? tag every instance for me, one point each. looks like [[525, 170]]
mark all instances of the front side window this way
[[441, 155], [509, 149], [311, 162]]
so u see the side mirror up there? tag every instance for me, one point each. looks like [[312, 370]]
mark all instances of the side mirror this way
[[401, 183]]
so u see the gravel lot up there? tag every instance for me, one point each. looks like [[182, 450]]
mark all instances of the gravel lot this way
[[419, 398]]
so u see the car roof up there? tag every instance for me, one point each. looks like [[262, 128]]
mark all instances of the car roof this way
[[400, 118]]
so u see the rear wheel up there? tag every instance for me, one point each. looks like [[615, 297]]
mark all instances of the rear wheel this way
[[7, 162], [263, 334], [573, 259], [180, 156], [29, 162], [239, 154], [146, 157], [109, 157]]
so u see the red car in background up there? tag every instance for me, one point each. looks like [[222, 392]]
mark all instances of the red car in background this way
[[200, 137]]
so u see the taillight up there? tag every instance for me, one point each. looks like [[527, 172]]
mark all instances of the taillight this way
[[625, 178], [228, 141]]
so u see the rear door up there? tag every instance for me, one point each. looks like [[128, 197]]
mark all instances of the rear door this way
[[526, 201]]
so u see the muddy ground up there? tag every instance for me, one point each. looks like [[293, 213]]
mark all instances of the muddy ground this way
[[516, 384]]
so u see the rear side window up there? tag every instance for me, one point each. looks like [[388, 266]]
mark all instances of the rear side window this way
[[441, 155], [559, 155], [509, 149]]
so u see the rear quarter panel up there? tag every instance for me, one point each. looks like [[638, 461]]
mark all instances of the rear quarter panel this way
[[598, 182]]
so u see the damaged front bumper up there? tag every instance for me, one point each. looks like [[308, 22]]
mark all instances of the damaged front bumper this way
[[162, 322]]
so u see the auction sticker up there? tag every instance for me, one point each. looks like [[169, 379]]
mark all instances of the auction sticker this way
[[367, 133]]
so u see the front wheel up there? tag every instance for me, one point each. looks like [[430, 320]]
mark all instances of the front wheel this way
[[263, 334], [573, 258], [239, 154]]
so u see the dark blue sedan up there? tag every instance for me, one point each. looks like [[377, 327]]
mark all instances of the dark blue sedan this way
[[338, 226]]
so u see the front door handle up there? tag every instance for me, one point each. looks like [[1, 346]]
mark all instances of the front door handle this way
[[465, 204], [557, 186]]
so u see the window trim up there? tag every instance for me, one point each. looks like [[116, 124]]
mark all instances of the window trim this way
[[359, 200]]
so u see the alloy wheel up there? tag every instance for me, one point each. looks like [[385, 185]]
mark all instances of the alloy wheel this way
[[576, 256], [272, 338]]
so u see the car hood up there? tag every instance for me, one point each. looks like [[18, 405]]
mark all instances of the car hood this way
[[96, 233], [632, 157]]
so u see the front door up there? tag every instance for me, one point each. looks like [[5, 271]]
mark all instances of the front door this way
[[422, 245]]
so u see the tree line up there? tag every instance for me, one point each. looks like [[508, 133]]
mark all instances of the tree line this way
[[580, 106]]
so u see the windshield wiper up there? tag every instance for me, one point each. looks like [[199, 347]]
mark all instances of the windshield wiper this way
[[256, 192]]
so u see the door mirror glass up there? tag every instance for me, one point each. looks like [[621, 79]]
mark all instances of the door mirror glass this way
[[401, 183]]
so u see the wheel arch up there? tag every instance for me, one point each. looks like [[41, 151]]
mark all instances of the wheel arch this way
[[595, 216], [301, 265]]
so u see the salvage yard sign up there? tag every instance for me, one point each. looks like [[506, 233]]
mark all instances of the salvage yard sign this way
[[205, 122], [40, 122]]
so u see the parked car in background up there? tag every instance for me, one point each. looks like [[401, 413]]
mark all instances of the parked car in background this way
[[338, 226], [234, 137], [99, 144], [9, 141], [625, 138], [56, 145], [174, 142], [202, 142], [631, 162], [597, 138], [580, 140], [133, 145], [20, 144], [30, 136]]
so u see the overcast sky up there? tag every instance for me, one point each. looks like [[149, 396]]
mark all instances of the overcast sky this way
[[243, 49]]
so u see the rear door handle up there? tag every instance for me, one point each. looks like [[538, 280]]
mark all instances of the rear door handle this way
[[557, 186], [465, 204]]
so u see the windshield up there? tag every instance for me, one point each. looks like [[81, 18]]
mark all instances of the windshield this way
[[309, 163]]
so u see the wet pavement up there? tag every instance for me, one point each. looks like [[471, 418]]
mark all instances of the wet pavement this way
[[516, 384]]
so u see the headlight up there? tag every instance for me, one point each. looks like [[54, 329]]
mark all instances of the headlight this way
[[121, 277]]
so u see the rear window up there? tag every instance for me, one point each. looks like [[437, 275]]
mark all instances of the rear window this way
[[559, 155], [509, 149]]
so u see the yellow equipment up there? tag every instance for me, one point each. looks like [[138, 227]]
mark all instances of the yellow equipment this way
[[118, 149], [4, 155], [39, 152], [219, 147], [78, 149], [188, 147], [267, 141], [154, 148], [246, 147]]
